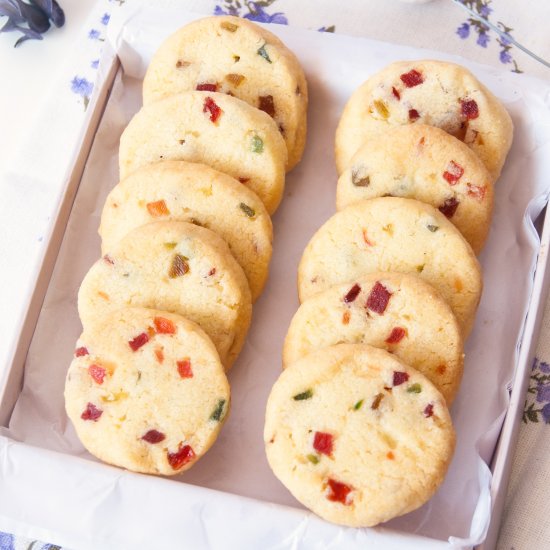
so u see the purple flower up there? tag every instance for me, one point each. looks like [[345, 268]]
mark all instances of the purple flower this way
[[483, 39], [463, 31], [543, 393], [6, 541], [258, 14], [485, 11], [81, 86], [543, 366], [105, 18], [94, 34], [94, 64], [546, 413], [505, 57], [231, 10]]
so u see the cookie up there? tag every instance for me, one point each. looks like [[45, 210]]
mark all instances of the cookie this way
[[357, 436], [234, 56], [417, 326], [146, 391], [184, 191], [177, 267], [424, 163], [393, 234], [214, 129], [427, 92]]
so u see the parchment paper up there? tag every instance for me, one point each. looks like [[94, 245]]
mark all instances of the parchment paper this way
[[335, 65]]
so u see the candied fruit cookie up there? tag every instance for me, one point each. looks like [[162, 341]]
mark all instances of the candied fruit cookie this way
[[427, 164], [190, 192], [429, 92], [394, 234], [234, 56], [214, 129], [357, 436], [417, 326], [177, 267], [146, 391]]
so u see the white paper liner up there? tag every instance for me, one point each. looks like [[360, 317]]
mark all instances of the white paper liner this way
[[335, 65]]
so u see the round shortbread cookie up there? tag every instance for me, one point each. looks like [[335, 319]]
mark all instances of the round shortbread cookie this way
[[357, 436], [394, 234], [146, 391], [184, 191], [232, 55], [417, 325], [214, 129], [177, 267], [424, 163], [428, 92]]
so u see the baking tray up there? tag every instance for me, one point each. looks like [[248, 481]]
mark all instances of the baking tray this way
[[204, 514]]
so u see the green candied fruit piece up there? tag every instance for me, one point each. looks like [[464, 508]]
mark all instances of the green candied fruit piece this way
[[314, 459], [414, 388], [433, 228], [257, 144], [358, 405], [250, 212], [308, 394], [218, 412], [262, 53]]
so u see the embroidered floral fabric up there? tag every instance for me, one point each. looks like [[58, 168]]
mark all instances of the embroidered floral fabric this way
[[436, 25]]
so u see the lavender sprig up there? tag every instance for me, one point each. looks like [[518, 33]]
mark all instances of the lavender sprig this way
[[31, 20]]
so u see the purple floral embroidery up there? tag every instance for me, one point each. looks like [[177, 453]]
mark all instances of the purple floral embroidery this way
[[256, 11], [539, 387], [105, 18], [463, 31], [483, 39], [94, 34], [473, 26], [94, 64], [81, 86]]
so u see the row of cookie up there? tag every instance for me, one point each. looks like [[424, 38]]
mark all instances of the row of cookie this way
[[427, 130], [171, 231]]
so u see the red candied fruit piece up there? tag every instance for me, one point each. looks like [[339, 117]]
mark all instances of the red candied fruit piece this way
[[469, 109], [396, 94], [323, 442], [181, 457], [413, 114], [244, 180], [453, 173], [153, 436], [211, 107], [429, 410], [412, 78], [184, 368], [339, 492], [206, 87], [399, 377], [91, 412], [352, 294], [80, 352], [164, 326], [378, 298], [449, 207], [476, 191], [397, 334], [266, 105], [138, 341], [97, 373]]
